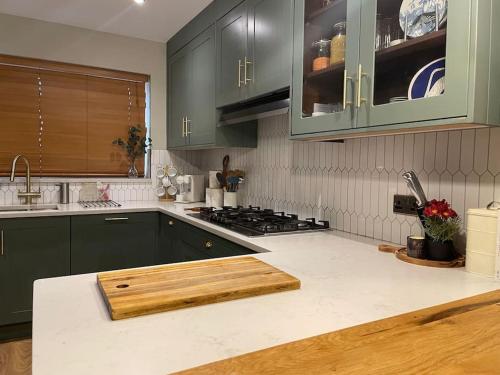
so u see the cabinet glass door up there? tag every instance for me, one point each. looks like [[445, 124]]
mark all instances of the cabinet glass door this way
[[413, 61], [325, 59]]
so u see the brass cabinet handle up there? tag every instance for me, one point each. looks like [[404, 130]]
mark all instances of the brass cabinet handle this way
[[346, 103], [188, 121], [239, 73], [116, 219], [361, 74], [171, 223], [1, 243], [246, 71], [183, 127], [208, 244]]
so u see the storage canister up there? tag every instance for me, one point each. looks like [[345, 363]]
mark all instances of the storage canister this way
[[482, 236]]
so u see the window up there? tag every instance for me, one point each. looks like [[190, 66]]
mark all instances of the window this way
[[64, 117]]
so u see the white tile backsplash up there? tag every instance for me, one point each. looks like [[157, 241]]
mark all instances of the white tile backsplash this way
[[352, 184]]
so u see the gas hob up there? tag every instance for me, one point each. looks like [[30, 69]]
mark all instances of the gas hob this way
[[254, 221]]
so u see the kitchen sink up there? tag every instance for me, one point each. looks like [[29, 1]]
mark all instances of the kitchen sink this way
[[32, 207]]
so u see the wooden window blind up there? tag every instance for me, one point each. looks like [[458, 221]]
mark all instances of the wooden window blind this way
[[82, 108]]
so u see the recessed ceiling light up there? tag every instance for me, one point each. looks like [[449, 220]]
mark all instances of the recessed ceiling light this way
[[140, 2]]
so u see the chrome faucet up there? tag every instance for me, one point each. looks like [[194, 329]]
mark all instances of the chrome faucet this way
[[28, 195]]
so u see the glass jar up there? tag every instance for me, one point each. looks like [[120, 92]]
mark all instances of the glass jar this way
[[322, 54], [337, 45]]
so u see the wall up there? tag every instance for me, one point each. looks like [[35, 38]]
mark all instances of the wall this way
[[352, 184], [38, 39]]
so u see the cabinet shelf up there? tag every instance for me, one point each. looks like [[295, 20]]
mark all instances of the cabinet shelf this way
[[327, 72], [317, 13], [411, 46]]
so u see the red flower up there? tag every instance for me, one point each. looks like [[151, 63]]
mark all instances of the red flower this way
[[439, 209]]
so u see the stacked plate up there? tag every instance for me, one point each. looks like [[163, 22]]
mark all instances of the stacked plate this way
[[419, 17]]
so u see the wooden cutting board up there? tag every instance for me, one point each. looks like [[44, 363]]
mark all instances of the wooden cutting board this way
[[136, 292]]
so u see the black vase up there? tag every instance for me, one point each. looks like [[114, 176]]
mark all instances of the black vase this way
[[438, 250]]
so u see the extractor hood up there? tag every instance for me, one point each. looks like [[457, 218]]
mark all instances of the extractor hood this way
[[275, 104]]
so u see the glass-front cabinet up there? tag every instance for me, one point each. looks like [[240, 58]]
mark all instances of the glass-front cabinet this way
[[361, 64]]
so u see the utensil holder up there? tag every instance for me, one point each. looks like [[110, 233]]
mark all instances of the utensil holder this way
[[230, 199], [213, 183], [214, 197]]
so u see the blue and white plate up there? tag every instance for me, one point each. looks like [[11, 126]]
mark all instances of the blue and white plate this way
[[429, 81], [421, 16]]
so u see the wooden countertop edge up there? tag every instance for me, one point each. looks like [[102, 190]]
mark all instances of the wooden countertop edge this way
[[453, 338]]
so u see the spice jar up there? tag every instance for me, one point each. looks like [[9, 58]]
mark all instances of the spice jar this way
[[322, 59], [337, 48]]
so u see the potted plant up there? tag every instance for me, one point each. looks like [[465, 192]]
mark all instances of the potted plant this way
[[135, 146], [441, 225]]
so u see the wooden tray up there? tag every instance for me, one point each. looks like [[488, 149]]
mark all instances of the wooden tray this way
[[136, 292], [401, 254]]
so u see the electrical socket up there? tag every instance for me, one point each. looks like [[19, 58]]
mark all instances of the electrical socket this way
[[405, 204]]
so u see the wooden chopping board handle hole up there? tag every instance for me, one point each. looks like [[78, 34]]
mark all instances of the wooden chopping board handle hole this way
[[122, 286]]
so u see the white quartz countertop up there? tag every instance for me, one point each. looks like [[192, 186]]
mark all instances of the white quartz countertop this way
[[345, 282]]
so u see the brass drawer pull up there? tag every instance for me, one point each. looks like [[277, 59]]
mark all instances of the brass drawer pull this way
[[1, 243], [171, 223], [116, 219], [188, 130], [361, 74], [346, 103], [240, 65], [246, 71], [208, 244]]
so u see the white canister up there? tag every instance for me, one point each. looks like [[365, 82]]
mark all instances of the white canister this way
[[482, 241], [230, 199], [213, 183], [214, 197]]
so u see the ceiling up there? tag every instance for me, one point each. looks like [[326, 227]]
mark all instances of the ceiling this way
[[156, 20]]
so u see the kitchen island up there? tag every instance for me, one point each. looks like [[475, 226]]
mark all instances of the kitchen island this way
[[345, 282]]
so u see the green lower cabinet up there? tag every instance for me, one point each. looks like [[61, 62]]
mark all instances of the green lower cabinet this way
[[31, 249], [112, 242], [182, 242]]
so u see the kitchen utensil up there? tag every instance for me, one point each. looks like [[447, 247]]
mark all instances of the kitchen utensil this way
[[194, 209], [160, 172], [166, 181], [415, 187], [172, 190], [172, 172], [213, 181], [221, 179], [136, 292], [419, 16], [225, 166], [429, 80]]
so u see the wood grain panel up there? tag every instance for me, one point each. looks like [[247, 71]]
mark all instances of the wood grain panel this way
[[64, 108], [108, 119], [62, 67], [15, 358], [462, 337], [131, 293], [18, 115]]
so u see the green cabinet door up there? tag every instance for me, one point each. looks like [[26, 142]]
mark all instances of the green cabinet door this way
[[201, 113], [323, 88], [178, 98], [31, 249], [387, 71], [231, 36], [270, 30], [183, 242], [111, 242]]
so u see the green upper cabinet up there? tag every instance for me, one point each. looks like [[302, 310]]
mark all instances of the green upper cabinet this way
[[401, 69], [178, 85], [232, 61], [192, 114], [270, 40], [30, 249], [323, 82], [254, 50]]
